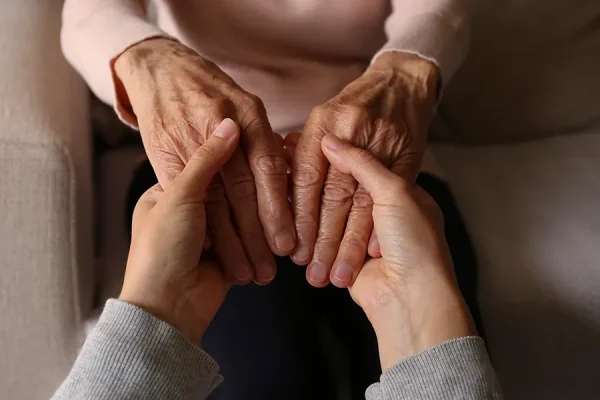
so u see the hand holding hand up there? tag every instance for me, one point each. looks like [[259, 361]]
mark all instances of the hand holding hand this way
[[409, 294], [386, 112], [179, 98], [165, 274]]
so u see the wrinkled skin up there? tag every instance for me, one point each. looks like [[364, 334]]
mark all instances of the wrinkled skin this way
[[179, 98], [386, 111]]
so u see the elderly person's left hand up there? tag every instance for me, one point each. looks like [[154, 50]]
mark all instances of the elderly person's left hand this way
[[387, 112]]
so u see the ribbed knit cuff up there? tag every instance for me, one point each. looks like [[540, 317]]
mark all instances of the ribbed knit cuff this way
[[440, 38], [456, 369], [132, 354], [111, 26]]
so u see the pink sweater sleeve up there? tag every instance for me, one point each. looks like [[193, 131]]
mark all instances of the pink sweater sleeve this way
[[109, 27], [434, 29]]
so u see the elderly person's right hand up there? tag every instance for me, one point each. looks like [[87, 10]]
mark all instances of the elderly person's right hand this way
[[408, 291], [179, 98]]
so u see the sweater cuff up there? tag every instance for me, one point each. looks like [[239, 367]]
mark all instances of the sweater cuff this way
[[458, 368], [440, 38], [157, 360], [112, 29]]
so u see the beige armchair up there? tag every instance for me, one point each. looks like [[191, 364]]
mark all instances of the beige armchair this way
[[46, 263]]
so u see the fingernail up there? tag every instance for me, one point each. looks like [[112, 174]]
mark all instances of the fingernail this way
[[332, 142], [374, 245], [318, 272], [266, 275], [301, 255], [226, 129], [243, 276], [284, 241], [342, 272]]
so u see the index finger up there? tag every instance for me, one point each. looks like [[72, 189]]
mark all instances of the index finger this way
[[381, 183], [309, 168], [266, 158]]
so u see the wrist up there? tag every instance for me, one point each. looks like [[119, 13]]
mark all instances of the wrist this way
[[138, 57], [168, 309], [134, 73], [413, 72], [418, 318]]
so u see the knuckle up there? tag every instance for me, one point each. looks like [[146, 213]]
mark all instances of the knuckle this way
[[306, 176], [252, 107], [320, 112], [336, 194], [327, 243], [326, 247], [271, 165], [354, 241], [305, 221], [254, 125], [362, 200], [255, 104]]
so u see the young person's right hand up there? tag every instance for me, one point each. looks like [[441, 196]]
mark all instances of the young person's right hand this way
[[167, 275], [409, 293]]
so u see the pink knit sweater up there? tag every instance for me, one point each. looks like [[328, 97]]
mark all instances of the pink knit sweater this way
[[293, 54]]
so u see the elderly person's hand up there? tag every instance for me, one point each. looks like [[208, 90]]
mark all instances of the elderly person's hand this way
[[409, 293], [386, 111], [165, 274], [179, 98]]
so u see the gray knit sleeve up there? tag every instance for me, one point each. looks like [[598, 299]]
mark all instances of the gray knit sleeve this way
[[131, 354], [456, 369]]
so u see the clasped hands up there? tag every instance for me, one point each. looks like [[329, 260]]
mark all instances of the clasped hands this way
[[179, 99], [408, 293]]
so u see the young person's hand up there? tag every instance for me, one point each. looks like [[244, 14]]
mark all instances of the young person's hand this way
[[165, 274], [409, 294]]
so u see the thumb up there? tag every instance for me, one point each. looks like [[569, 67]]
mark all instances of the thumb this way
[[206, 162], [381, 183]]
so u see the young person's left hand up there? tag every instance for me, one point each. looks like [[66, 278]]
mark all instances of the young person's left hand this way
[[165, 274]]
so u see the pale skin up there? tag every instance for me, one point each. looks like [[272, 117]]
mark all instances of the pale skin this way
[[408, 293], [179, 98]]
